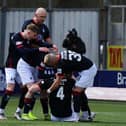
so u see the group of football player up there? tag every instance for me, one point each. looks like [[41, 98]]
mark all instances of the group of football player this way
[[59, 78]]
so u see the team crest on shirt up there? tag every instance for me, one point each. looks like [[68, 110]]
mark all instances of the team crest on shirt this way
[[40, 37]]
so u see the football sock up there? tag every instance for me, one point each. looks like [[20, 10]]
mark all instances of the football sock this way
[[5, 98], [44, 104], [76, 102], [32, 103], [27, 105], [84, 103], [21, 100]]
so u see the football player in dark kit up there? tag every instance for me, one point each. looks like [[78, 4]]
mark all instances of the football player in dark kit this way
[[11, 63], [60, 100], [46, 76], [71, 61], [29, 50], [75, 43]]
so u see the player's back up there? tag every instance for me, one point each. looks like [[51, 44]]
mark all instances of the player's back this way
[[13, 54], [73, 61], [60, 99]]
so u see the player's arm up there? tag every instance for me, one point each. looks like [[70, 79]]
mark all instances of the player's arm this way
[[37, 44], [55, 84], [19, 45], [52, 47], [47, 37], [25, 50], [48, 40], [45, 44]]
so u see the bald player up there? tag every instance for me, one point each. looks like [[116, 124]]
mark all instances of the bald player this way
[[39, 19]]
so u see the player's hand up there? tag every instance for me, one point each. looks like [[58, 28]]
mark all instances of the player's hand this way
[[77, 89], [43, 49], [54, 49], [48, 91]]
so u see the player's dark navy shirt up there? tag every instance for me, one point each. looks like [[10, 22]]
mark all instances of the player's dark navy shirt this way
[[71, 61], [46, 72], [60, 99], [13, 54], [42, 36], [23, 48], [44, 31], [47, 75]]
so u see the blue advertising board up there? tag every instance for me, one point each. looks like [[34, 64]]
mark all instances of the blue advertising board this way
[[110, 79]]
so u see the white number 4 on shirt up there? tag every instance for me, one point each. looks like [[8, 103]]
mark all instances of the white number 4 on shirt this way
[[60, 93]]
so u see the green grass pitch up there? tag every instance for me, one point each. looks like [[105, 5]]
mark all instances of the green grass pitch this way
[[108, 113]]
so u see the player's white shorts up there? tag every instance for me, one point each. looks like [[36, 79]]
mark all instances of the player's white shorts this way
[[27, 73], [71, 118], [12, 76], [85, 78]]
